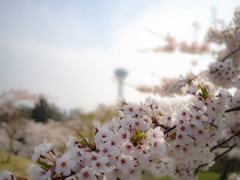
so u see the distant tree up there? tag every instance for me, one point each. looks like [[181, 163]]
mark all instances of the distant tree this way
[[43, 111], [17, 132], [40, 112]]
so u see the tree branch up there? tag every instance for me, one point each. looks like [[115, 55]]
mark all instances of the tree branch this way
[[232, 53], [63, 176], [233, 109], [217, 157], [217, 146], [169, 129], [202, 165], [225, 152]]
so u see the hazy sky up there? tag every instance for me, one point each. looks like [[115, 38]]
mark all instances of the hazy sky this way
[[68, 50]]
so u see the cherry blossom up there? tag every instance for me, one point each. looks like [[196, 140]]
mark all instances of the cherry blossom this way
[[42, 149], [6, 175], [175, 138], [64, 165]]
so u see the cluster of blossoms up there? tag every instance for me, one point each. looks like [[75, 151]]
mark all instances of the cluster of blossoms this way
[[224, 72], [184, 47], [168, 86], [166, 139]]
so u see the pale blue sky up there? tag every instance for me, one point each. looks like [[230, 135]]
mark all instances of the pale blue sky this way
[[69, 23], [68, 50]]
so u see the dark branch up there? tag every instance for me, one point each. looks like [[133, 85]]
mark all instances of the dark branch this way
[[225, 152], [232, 53], [202, 165], [216, 158], [162, 126], [222, 143], [233, 109], [168, 130], [63, 176]]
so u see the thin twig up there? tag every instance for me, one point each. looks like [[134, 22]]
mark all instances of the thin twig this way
[[232, 53], [229, 55], [217, 157], [215, 147], [233, 109], [63, 177], [168, 130], [225, 152], [202, 165], [197, 76]]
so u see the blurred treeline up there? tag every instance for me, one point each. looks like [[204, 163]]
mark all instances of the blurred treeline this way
[[27, 119]]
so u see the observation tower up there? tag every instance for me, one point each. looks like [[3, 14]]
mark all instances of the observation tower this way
[[121, 75]]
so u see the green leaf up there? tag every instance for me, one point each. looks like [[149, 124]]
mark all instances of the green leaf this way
[[137, 136], [84, 141], [45, 166], [202, 91]]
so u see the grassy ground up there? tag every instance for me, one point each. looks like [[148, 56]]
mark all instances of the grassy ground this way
[[208, 176], [201, 176], [17, 164]]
